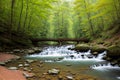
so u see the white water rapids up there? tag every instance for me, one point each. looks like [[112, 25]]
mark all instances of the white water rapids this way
[[62, 53]]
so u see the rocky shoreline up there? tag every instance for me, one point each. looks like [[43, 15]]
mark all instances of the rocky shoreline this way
[[35, 69], [8, 59], [39, 71], [113, 51]]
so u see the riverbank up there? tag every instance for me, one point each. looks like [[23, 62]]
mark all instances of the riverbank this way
[[38, 70], [111, 45], [11, 73]]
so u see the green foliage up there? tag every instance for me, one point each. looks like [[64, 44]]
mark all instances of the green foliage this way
[[59, 18], [96, 16]]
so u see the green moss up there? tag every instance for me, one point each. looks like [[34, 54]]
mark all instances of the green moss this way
[[114, 51], [98, 48], [82, 47], [100, 41]]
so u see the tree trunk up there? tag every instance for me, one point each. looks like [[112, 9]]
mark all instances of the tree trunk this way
[[29, 22], [62, 20], [26, 16], [12, 12], [20, 17], [90, 22]]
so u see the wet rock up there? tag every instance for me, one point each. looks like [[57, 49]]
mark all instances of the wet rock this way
[[41, 62], [90, 56], [69, 48], [82, 47], [28, 75], [53, 71], [45, 73], [113, 51], [17, 51], [30, 61], [72, 56], [29, 51], [60, 78], [95, 53], [20, 65], [107, 58], [26, 65], [69, 77], [17, 57], [2, 63], [13, 68], [31, 68], [68, 65], [39, 65], [82, 56], [113, 63], [25, 69], [98, 48], [59, 59]]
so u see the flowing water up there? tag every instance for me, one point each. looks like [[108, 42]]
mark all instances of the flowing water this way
[[66, 59]]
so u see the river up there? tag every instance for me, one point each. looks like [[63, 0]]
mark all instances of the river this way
[[77, 62]]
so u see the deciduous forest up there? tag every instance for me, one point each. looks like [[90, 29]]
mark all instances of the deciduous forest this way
[[26, 26], [60, 18]]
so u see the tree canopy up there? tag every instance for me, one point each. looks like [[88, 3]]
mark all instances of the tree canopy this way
[[59, 18]]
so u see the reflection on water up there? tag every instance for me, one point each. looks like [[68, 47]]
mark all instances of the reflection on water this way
[[94, 65]]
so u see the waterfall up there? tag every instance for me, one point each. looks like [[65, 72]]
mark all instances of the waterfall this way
[[104, 67], [62, 53]]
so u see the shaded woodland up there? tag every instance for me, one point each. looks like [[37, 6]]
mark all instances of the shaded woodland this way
[[24, 19]]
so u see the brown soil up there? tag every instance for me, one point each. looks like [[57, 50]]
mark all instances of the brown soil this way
[[6, 74], [4, 57]]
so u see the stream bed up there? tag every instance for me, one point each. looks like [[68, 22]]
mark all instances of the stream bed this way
[[76, 63]]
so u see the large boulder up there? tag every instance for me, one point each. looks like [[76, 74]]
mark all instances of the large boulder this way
[[82, 47], [113, 51], [98, 48]]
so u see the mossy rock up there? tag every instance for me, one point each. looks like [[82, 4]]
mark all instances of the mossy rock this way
[[98, 48], [82, 47], [114, 51], [100, 41]]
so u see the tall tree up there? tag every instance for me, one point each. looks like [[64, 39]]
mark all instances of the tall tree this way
[[12, 13], [20, 17], [26, 16]]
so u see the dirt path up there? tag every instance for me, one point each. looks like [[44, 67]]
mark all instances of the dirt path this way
[[4, 57], [6, 74]]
